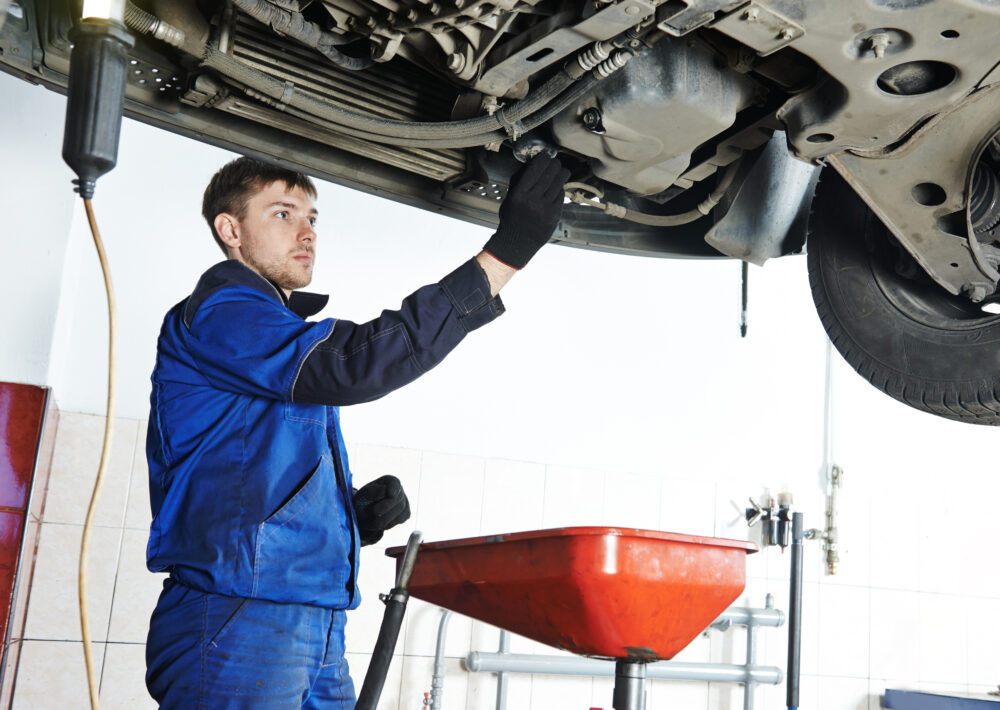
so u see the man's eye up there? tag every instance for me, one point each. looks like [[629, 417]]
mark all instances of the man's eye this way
[[281, 215], [312, 221]]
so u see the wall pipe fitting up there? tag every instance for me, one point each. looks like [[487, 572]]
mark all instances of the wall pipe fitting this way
[[746, 616], [750, 685], [502, 678], [437, 679]]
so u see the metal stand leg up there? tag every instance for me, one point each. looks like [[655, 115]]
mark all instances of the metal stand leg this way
[[630, 685], [795, 614]]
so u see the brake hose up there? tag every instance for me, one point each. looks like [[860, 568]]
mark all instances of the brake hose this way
[[575, 192], [105, 457]]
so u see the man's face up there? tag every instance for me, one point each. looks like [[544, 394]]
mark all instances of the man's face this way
[[276, 236]]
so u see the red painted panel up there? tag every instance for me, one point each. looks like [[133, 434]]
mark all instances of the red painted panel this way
[[10, 545], [21, 410], [608, 592]]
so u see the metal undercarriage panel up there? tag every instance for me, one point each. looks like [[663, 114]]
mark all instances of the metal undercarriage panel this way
[[883, 90]]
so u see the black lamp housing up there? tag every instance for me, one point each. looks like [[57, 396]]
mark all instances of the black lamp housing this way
[[98, 69]]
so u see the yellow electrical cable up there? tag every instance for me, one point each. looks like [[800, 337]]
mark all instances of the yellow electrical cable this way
[[105, 457]]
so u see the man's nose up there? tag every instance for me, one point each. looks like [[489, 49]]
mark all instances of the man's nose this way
[[307, 233]]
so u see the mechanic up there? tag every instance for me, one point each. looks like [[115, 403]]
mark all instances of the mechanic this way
[[254, 516]]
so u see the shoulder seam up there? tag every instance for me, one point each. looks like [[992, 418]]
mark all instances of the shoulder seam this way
[[302, 362]]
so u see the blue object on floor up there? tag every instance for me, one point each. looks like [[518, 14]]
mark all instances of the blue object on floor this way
[[912, 700]]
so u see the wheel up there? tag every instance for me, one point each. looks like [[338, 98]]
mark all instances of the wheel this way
[[901, 332]]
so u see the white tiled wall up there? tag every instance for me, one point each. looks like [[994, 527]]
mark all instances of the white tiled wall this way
[[915, 604]]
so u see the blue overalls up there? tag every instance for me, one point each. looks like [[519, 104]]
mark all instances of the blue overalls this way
[[250, 485]]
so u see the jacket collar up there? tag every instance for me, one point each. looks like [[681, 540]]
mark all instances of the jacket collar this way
[[235, 273]]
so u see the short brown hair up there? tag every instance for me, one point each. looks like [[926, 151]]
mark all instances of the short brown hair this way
[[236, 182]]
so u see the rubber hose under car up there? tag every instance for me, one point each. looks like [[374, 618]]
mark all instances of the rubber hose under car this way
[[570, 97], [286, 93], [140, 20]]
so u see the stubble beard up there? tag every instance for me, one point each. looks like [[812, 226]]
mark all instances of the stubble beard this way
[[283, 274]]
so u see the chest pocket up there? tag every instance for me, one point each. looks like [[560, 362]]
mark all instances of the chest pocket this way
[[306, 413]]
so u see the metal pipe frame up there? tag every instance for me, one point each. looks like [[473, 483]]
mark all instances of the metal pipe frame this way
[[750, 675], [437, 679], [795, 614], [477, 661]]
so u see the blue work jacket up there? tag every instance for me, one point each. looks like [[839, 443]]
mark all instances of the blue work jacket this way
[[249, 481]]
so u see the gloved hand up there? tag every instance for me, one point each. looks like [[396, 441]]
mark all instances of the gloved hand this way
[[378, 506], [529, 213]]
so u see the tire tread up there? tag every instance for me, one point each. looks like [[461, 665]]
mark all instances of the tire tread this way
[[835, 213]]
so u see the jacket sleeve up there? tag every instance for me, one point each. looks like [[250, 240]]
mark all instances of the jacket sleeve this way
[[362, 362], [247, 342]]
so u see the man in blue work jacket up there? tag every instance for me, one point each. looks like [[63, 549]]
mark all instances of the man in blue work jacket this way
[[254, 515]]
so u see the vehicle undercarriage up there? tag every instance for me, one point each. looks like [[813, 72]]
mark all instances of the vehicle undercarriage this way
[[693, 128]]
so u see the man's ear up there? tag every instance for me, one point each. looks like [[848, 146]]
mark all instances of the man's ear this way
[[227, 227]]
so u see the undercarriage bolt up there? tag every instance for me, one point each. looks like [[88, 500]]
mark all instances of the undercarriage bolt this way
[[592, 121], [879, 43], [456, 62], [974, 292]]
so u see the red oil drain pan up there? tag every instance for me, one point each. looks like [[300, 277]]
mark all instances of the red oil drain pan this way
[[594, 591]]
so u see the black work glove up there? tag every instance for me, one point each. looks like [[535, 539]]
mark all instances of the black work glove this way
[[530, 212], [378, 506]]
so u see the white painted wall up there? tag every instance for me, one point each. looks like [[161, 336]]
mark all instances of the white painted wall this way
[[36, 205]]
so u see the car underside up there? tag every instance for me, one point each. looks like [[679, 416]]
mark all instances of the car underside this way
[[693, 128]]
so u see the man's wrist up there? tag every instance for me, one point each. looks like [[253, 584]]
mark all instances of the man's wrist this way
[[497, 272]]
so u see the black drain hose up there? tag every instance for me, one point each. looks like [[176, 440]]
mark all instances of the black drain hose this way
[[388, 633]]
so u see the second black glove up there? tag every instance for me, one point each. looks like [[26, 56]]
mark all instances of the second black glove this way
[[378, 506]]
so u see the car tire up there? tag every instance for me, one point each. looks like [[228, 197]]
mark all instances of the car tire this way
[[903, 333]]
